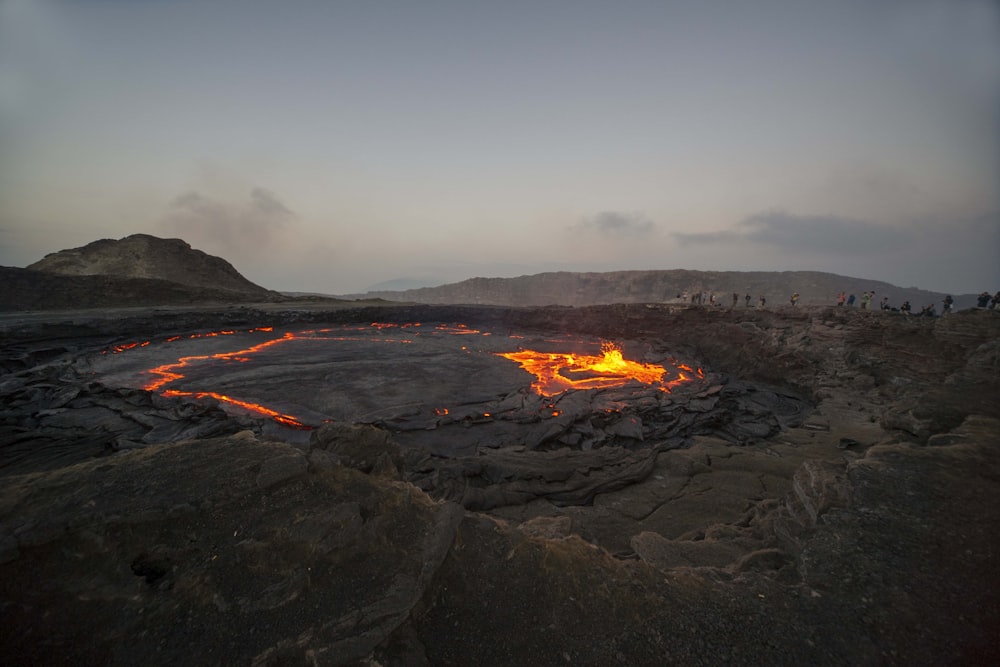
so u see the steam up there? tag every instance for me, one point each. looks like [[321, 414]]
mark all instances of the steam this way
[[248, 225], [807, 233], [616, 224]]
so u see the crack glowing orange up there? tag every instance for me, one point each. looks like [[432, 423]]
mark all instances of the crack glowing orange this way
[[169, 373], [172, 372], [283, 419]]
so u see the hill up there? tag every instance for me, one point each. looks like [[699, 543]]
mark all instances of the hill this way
[[138, 270], [591, 289], [145, 256]]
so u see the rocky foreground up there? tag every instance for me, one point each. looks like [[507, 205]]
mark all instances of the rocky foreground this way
[[858, 528]]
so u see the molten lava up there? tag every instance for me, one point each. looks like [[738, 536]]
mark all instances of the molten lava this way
[[557, 372], [169, 373], [283, 419], [172, 372]]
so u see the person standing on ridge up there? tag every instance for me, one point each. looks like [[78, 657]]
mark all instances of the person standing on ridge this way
[[840, 299], [795, 298]]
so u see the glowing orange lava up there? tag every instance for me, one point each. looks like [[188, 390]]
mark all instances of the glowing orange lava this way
[[458, 329], [557, 372], [283, 419], [172, 372], [168, 372]]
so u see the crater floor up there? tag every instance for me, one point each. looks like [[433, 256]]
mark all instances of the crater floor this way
[[821, 493]]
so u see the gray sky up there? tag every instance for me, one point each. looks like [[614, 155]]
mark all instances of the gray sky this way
[[331, 146]]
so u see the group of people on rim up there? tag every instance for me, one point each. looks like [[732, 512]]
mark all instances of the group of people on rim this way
[[984, 300], [868, 297], [709, 298]]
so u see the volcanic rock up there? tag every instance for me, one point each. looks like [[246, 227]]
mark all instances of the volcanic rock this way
[[189, 536], [856, 526], [360, 447], [510, 477]]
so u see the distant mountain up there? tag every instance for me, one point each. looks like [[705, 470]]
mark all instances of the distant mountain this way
[[586, 289], [138, 270], [402, 284], [145, 256]]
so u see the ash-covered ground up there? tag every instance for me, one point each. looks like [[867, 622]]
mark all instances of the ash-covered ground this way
[[307, 486]]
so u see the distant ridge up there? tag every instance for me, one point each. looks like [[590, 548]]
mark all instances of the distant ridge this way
[[588, 289], [146, 256]]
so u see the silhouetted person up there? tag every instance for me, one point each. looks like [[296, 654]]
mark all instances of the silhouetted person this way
[[747, 298], [840, 299], [761, 302], [850, 300], [736, 298], [905, 308], [984, 300], [946, 305]]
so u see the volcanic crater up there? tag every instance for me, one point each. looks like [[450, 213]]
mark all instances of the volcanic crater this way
[[447, 391], [615, 484]]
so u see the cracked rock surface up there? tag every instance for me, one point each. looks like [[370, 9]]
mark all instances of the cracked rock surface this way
[[828, 495]]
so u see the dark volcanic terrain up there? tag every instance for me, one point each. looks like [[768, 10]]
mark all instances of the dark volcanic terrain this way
[[825, 492]]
